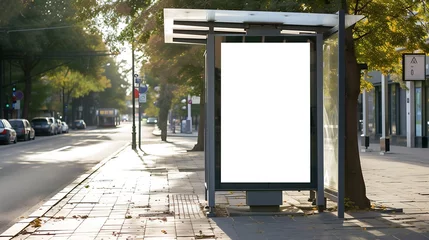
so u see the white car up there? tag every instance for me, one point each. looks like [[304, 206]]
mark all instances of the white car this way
[[64, 127]]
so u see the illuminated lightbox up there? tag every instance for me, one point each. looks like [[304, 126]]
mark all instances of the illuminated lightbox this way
[[265, 109]]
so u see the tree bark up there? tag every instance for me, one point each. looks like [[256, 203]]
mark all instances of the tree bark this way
[[202, 123], [164, 101], [355, 190], [27, 67]]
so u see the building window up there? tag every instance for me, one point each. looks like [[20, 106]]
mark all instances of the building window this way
[[378, 107]]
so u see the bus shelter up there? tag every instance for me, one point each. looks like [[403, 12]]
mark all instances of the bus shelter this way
[[275, 100]]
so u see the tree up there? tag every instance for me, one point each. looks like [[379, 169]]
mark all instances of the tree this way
[[114, 96], [185, 66], [73, 84], [51, 32], [164, 104]]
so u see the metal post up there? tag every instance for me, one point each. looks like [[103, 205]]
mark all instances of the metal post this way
[[210, 108], [206, 142], [140, 117], [411, 116], [384, 140], [189, 120], [341, 112], [320, 199], [133, 134]]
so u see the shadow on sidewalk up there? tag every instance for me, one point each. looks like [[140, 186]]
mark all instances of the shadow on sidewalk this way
[[366, 225]]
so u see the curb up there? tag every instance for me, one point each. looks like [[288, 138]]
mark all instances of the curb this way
[[15, 229], [158, 133]]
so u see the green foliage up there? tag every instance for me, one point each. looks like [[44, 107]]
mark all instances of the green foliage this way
[[41, 92], [48, 35], [115, 95], [76, 84], [9, 9], [401, 25]]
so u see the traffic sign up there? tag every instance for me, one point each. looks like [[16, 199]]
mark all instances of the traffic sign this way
[[414, 67], [17, 105], [136, 93], [195, 99], [143, 88], [19, 95], [142, 98]]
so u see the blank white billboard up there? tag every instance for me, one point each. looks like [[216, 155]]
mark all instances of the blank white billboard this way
[[265, 113]]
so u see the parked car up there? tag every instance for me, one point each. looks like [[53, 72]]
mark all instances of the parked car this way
[[151, 120], [64, 127], [7, 133], [54, 123], [78, 124], [23, 129], [42, 126], [60, 126]]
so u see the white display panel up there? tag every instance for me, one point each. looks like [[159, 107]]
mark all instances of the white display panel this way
[[265, 113]]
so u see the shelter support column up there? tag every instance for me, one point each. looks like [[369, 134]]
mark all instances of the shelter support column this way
[[320, 197], [210, 121], [385, 139], [341, 113], [411, 116]]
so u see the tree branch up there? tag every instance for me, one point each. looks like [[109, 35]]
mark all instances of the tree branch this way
[[15, 64], [422, 23], [358, 10], [356, 6], [49, 69], [361, 36], [35, 62]]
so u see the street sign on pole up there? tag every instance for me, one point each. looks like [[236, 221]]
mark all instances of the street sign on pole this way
[[143, 88], [136, 93], [142, 98], [18, 104], [195, 99], [19, 95], [414, 66]]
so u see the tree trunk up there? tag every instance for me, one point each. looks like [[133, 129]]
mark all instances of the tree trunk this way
[[355, 190], [28, 86], [201, 123], [164, 101]]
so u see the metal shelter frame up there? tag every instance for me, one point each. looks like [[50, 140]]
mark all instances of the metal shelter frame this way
[[198, 26]]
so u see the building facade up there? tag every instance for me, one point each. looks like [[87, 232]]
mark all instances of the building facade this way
[[406, 125]]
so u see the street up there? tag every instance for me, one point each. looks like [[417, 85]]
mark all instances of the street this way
[[32, 172]]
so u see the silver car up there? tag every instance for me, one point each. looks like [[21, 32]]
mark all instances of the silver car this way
[[64, 127], [7, 133], [54, 124]]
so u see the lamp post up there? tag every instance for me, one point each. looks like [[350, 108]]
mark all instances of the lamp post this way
[[133, 134]]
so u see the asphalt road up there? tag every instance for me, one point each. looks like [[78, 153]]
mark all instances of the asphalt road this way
[[32, 172]]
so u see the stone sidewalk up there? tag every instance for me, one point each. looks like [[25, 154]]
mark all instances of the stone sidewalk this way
[[160, 195]]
